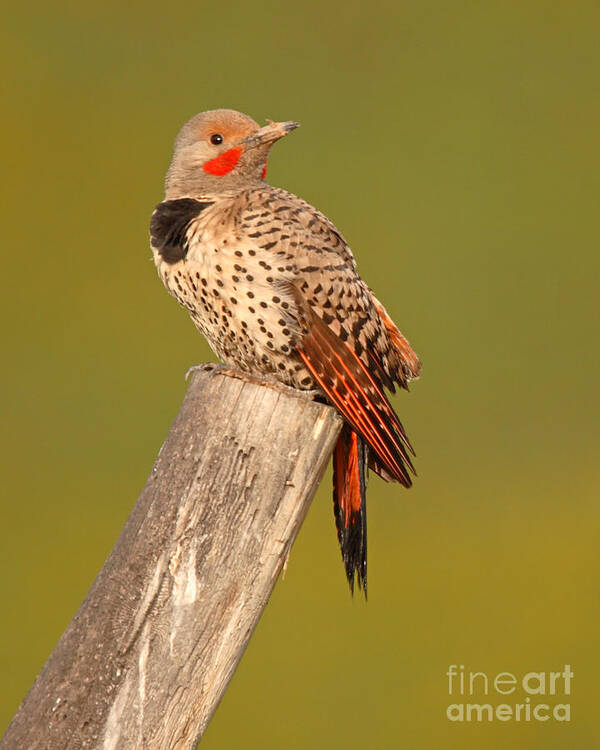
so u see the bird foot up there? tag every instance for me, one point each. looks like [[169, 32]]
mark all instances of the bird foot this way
[[204, 367], [266, 380]]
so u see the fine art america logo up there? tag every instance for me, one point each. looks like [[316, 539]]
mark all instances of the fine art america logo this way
[[534, 696]]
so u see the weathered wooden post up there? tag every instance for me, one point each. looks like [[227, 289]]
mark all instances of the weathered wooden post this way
[[147, 657]]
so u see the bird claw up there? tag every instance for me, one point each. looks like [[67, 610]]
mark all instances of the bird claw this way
[[213, 368], [204, 367], [265, 380]]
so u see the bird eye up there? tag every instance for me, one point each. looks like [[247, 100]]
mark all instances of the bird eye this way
[[216, 139]]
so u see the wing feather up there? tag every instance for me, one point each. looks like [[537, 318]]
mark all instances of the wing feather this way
[[346, 380]]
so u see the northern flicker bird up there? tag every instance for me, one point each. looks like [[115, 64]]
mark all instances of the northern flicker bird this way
[[273, 286]]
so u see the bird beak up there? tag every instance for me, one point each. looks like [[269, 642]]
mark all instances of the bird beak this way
[[270, 133]]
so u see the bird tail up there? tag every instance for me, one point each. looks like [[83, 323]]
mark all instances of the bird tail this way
[[350, 459]]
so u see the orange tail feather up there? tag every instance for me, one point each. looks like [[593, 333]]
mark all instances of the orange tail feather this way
[[349, 504]]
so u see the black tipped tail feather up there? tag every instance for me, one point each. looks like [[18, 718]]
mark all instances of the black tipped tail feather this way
[[350, 459]]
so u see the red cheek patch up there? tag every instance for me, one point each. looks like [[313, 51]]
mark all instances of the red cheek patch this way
[[263, 174], [224, 163]]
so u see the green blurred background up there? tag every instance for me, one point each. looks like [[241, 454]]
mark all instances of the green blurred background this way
[[456, 146]]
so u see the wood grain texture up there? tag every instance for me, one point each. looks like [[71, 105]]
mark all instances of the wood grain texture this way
[[147, 657]]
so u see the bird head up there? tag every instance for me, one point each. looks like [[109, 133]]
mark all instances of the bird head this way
[[221, 151]]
